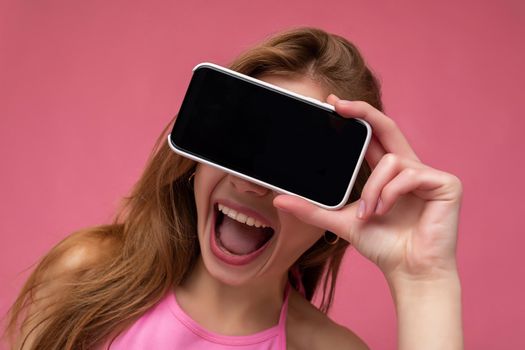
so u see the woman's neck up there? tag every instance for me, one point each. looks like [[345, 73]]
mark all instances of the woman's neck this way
[[227, 309]]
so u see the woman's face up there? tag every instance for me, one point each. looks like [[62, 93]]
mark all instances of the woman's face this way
[[242, 236]]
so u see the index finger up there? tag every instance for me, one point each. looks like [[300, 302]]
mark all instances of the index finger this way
[[384, 128]]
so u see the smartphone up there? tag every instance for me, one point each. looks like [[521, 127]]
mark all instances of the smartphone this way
[[268, 135]]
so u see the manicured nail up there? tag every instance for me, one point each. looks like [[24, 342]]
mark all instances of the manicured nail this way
[[281, 209], [284, 210], [361, 209]]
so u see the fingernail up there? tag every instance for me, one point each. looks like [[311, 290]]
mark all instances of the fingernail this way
[[361, 209], [283, 210], [280, 208], [345, 102]]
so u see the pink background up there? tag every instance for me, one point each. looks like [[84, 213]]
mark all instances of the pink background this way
[[79, 79]]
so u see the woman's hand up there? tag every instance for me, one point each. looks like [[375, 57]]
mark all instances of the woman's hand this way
[[406, 220]]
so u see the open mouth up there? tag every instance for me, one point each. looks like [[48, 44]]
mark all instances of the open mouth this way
[[237, 237]]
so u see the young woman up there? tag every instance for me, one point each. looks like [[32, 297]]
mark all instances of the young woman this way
[[177, 269]]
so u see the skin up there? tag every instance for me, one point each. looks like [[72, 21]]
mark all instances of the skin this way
[[405, 223]]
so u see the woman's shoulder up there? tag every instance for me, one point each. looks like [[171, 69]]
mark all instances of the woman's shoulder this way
[[84, 249], [309, 328], [78, 252], [63, 265], [56, 272]]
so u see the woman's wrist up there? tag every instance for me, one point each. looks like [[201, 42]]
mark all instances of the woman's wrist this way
[[428, 312], [423, 280], [407, 289]]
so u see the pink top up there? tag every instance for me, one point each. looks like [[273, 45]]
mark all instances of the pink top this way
[[167, 326]]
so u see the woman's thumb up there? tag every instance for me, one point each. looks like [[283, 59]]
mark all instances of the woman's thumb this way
[[339, 221]]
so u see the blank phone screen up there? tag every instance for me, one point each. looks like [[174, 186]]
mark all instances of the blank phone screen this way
[[265, 134]]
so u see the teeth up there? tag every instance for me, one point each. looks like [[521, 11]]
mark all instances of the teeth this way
[[240, 217]]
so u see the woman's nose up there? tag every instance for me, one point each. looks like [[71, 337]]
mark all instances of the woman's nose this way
[[242, 185]]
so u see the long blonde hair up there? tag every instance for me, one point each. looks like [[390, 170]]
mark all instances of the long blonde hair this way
[[153, 236]]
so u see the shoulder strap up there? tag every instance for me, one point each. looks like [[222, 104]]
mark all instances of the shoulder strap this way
[[282, 318]]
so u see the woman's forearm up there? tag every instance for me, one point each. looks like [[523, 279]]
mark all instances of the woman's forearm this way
[[429, 314]]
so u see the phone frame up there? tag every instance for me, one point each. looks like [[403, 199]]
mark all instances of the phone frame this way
[[295, 95]]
